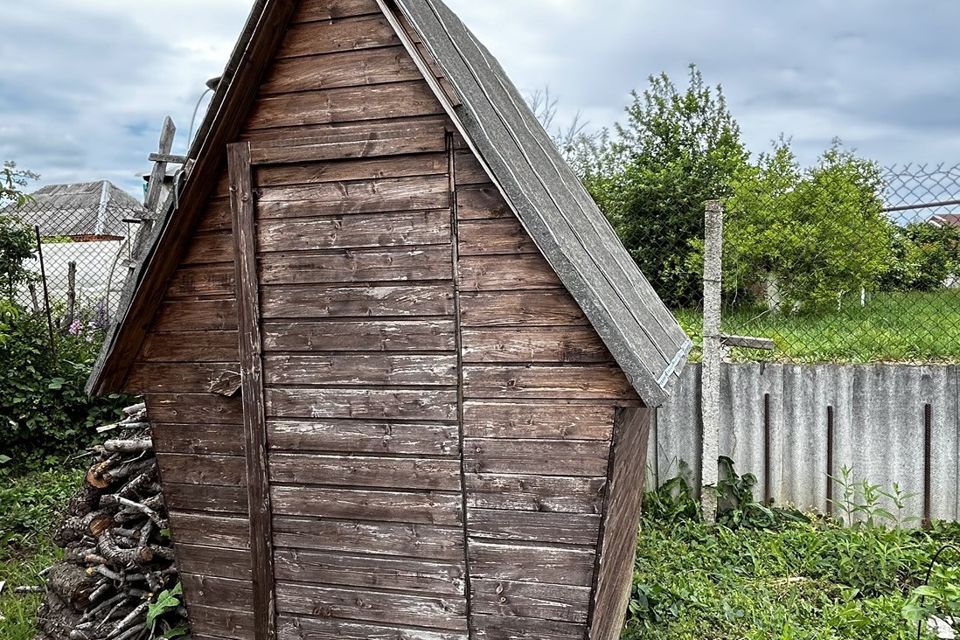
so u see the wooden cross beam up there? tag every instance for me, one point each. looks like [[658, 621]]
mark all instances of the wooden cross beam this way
[[153, 203], [171, 159], [159, 173], [747, 342]]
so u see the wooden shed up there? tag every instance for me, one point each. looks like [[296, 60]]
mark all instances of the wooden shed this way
[[446, 359]]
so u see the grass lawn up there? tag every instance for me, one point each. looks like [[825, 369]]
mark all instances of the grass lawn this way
[[812, 580], [892, 327], [29, 507], [780, 575]]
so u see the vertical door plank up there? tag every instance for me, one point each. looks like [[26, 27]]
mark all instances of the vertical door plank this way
[[251, 369]]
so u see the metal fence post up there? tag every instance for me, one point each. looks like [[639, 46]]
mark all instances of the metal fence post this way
[[712, 357]]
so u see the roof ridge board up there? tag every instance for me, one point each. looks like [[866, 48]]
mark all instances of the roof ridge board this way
[[538, 190], [606, 246], [629, 269], [610, 242], [619, 342]]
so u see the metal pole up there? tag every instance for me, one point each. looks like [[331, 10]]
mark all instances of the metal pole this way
[[46, 296], [712, 357]]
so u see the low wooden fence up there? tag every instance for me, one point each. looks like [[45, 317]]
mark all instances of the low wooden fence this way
[[795, 426]]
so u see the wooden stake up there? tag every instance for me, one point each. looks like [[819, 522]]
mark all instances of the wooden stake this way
[[46, 295], [71, 292]]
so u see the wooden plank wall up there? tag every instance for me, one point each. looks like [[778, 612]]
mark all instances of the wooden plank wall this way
[[355, 261], [439, 411], [621, 514], [540, 393], [355, 254], [199, 436]]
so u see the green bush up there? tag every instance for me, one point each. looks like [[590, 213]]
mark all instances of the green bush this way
[[816, 233], [31, 503], [924, 257], [43, 407], [31, 506]]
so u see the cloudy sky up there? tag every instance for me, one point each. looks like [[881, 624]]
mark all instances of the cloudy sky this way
[[85, 84]]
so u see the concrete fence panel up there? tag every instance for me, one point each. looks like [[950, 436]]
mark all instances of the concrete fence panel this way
[[795, 426]]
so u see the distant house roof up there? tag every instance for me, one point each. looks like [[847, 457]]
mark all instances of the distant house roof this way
[[547, 197], [81, 209], [946, 220]]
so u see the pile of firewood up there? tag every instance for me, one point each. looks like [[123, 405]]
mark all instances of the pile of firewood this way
[[118, 558]]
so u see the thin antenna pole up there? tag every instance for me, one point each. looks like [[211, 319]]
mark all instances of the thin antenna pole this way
[[46, 295]]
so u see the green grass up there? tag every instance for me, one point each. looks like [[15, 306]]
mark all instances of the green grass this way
[[816, 581], [892, 327], [30, 506]]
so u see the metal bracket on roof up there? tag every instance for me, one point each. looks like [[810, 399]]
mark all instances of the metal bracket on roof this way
[[678, 360]]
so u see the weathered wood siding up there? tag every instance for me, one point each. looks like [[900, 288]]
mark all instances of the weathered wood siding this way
[[438, 412], [540, 393], [621, 514], [356, 274]]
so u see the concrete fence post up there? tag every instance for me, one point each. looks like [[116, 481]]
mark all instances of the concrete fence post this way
[[712, 356]]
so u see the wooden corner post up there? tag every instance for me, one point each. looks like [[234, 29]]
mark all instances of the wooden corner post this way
[[712, 357], [251, 373], [621, 516]]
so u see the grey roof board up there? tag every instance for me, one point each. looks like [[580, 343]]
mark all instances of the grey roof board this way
[[552, 204]]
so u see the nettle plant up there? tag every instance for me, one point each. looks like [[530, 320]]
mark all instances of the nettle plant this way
[[863, 501]]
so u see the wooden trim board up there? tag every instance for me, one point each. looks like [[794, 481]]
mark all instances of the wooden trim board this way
[[621, 515], [251, 372]]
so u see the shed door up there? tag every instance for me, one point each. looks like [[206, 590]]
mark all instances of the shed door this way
[[345, 283]]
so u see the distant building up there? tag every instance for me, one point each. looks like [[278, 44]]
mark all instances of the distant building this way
[[83, 212], [946, 220], [86, 241]]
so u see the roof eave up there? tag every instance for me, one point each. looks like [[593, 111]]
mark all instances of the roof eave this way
[[111, 369]]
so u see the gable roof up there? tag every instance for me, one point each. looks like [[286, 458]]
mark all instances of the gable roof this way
[[520, 158], [80, 209]]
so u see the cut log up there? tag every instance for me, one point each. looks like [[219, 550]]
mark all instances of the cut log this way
[[71, 584]]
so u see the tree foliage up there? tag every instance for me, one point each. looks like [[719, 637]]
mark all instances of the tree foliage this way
[[924, 257], [803, 237], [798, 237], [17, 242], [676, 150], [12, 182]]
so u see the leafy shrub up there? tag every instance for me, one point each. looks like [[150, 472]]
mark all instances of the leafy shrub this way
[[17, 244], [924, 257], [790, 231], [43, 407]]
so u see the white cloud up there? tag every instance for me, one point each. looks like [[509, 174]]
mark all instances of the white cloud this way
[[84, 86]]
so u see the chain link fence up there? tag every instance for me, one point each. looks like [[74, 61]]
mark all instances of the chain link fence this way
[[83, 243], [845, 262]]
